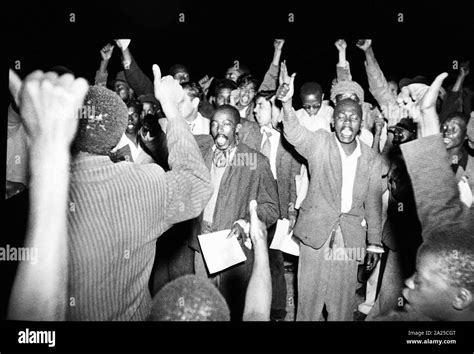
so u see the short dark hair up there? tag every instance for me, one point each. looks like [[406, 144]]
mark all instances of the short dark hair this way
[[189, 298], [174, 69], [246, 79], [311, 88], [455, 248], [464, 117], [193, 90], [102, 119], [267, 94], [231, 110], [349, 102], [223, 84], [135, 104]]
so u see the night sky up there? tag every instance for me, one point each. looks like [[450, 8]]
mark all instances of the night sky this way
[[215, 34]]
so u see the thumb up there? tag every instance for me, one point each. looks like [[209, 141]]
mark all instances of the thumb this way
[[438, 81], [79, 89], [14, 84], [253, 212], [292, 78], [156, 72]]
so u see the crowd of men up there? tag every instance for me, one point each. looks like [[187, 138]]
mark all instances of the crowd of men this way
[[125, 174]]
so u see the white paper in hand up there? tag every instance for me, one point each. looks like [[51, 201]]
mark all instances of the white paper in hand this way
[[219, 252], [284, 241]]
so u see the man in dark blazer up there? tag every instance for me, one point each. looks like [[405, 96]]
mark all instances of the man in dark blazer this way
[[285, 163], [340, 218], [238, 174]]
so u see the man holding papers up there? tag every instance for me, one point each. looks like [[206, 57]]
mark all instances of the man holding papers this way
[[238, 175]]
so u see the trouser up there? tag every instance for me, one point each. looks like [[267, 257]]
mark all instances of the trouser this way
[[324, 279], [393, 277], [277, 270], [231, 282]]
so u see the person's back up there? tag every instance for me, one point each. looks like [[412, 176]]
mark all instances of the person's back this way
[[118, 210]]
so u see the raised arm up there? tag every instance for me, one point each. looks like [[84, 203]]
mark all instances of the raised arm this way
[[297, 135], [378, 85], [48, 106], [434, 184], [188, 184], [139, 82], [270, 80], [101, 75], [343, 69], [454, 99], [258, 298]]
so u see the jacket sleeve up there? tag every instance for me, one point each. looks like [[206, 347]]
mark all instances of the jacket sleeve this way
[[373, 203], [188, 184], [267, 196], [301, 138], [434, 184], [270, 79], [137, 79]]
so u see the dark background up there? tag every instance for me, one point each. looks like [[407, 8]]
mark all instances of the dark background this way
[[215, 34]]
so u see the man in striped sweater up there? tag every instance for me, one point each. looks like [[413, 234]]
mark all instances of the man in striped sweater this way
[[117, 211]]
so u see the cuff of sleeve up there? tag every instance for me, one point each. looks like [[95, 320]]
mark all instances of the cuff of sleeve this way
[[246, 226], [375, 248], [126, 64]]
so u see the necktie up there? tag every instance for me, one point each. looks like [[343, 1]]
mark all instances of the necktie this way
[[220, 158], [267, 146]]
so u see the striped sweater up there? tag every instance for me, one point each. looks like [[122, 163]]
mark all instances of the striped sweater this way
[[116, 213]]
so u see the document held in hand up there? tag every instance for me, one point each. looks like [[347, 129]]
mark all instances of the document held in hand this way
[[219, 252], [283, 240]]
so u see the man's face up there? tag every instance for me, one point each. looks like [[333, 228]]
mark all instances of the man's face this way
[[263, 112], [349, 95], [223, 97], [347, 121], [233, 74], [311, 103], [133, 120], [393, 88], [429, 291], [454, 132], [246, 95], [123, 90], [148, 108], [146, 132], [181, 76], [224, 130], [189, 107]]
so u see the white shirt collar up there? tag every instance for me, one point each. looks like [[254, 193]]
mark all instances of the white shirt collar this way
[[355, 154]]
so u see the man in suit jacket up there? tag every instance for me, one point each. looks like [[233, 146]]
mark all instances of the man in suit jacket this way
[[342, 210], [238, 174], [285, 163]]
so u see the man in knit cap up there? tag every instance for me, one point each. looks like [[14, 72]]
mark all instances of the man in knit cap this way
[[118, 210]]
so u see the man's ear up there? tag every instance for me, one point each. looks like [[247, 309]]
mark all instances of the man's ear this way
[[463, 299], [322, 97], [238, 127], [195, 102]]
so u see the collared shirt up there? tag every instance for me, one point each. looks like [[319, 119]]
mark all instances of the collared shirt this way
[[216, 178], [322, 120], [200, 125], [135, 150], [274, 142], [349, 168]]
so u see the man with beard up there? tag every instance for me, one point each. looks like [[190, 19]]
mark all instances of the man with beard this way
[[129, 148], [340, 219], [238, 175], [454, 136]]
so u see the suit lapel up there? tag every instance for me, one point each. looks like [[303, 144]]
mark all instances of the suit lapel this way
[[335, 172]]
